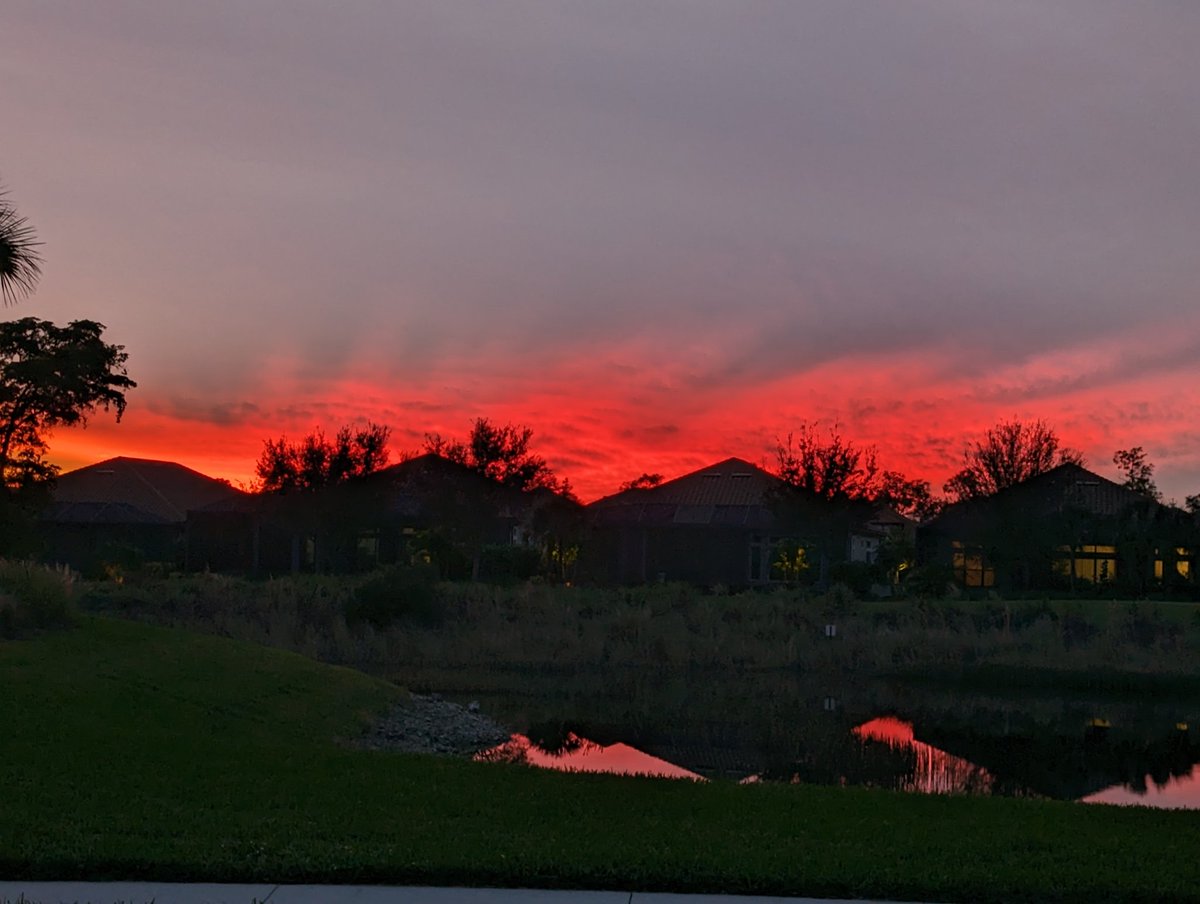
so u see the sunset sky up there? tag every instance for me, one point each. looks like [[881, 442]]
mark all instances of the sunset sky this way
[[659, 232]]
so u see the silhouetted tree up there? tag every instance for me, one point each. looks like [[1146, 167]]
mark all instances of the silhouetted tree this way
[[1192, 503], [20, 262], [831, 486], [834, 469], [501, 454], [52, 376], [911, 498], [316, 461], [1009, 453], [645, 482], [1139, 472], [830, 468]]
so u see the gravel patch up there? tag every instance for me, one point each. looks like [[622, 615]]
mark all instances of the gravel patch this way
[[429, 724]]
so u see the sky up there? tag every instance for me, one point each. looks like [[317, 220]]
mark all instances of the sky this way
[[658, 232]]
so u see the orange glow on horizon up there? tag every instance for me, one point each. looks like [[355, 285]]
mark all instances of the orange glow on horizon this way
[[601, 422]]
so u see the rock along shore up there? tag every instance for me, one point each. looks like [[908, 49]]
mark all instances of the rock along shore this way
[[429, 724]]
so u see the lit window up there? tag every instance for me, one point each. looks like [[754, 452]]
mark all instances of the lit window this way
[[1094, 563], [970, 567], [368, 547], [1183, 565]]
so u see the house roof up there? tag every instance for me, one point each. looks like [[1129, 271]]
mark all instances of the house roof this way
[[98, 513], [134, 491], [732, 492], [413, 488], [886, 516], [408, 486], [884, 521], [1066, 487]]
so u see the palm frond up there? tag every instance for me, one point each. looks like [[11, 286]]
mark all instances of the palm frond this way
[[20, 260]]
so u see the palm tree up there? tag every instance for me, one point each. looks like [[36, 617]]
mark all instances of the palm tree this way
[[20, 262]]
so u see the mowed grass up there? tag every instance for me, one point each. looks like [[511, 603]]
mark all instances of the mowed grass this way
[[134, 752]]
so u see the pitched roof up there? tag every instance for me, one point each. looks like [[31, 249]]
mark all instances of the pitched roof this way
[[98, 513], [732, 491], [1066, 487], [134, 490], [882, 522], [408, 486]]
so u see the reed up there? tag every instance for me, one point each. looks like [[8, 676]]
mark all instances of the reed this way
[[405, 624]]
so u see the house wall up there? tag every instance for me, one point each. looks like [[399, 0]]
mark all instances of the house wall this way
[[1100, 559], [634, 554], [89, 547], [241, 543]]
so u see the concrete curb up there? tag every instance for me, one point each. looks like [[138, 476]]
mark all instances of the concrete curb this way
[[198, 893]]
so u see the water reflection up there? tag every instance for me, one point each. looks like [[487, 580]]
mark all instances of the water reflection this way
[[923, 738], [888, 754], [581, 755], [934, 771], [1176, 793]]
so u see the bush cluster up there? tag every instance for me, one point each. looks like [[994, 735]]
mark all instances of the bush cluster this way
[[394, 594], [33, 598]]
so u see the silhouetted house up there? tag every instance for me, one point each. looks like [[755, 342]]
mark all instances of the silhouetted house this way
[[125, 511], [426, 508], [882, 525], [874, 567], [1067, 528], [714, 525], [255, 534]]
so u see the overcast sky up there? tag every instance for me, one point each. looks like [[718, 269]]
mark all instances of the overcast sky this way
[[659, 233]]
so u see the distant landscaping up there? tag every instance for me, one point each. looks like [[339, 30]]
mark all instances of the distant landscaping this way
[[402, 623], [498, 516]]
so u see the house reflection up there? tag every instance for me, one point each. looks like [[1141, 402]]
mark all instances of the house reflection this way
[[934, 771], [1178, 792], [1060, 749], [581, 755]]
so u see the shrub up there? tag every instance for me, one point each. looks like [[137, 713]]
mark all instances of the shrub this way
[[929, 581], [857, 576], [503, 564], [33, 597], [399, 593]]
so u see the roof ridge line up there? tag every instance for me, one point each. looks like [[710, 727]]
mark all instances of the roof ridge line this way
[[157, 492]]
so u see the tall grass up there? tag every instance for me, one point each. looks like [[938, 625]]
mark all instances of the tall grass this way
[[413, 626], [33, 598]]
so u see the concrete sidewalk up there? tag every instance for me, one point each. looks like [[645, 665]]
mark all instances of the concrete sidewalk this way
[[187, 893]]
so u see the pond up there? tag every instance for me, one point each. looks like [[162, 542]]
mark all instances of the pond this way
[[933, 741]]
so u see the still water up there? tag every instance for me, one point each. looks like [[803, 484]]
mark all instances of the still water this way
[[581, 755], [1092, 750]]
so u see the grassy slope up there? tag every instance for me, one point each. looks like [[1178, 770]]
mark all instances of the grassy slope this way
[[135, 752]]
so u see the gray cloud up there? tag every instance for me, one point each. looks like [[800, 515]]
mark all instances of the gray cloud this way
[[754, 189], [223, 414], [653, 433]]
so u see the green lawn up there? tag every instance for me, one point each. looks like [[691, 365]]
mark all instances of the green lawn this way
[[134, 752]]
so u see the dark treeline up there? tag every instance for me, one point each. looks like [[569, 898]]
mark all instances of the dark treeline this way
[[53, 377], [821, 463]]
